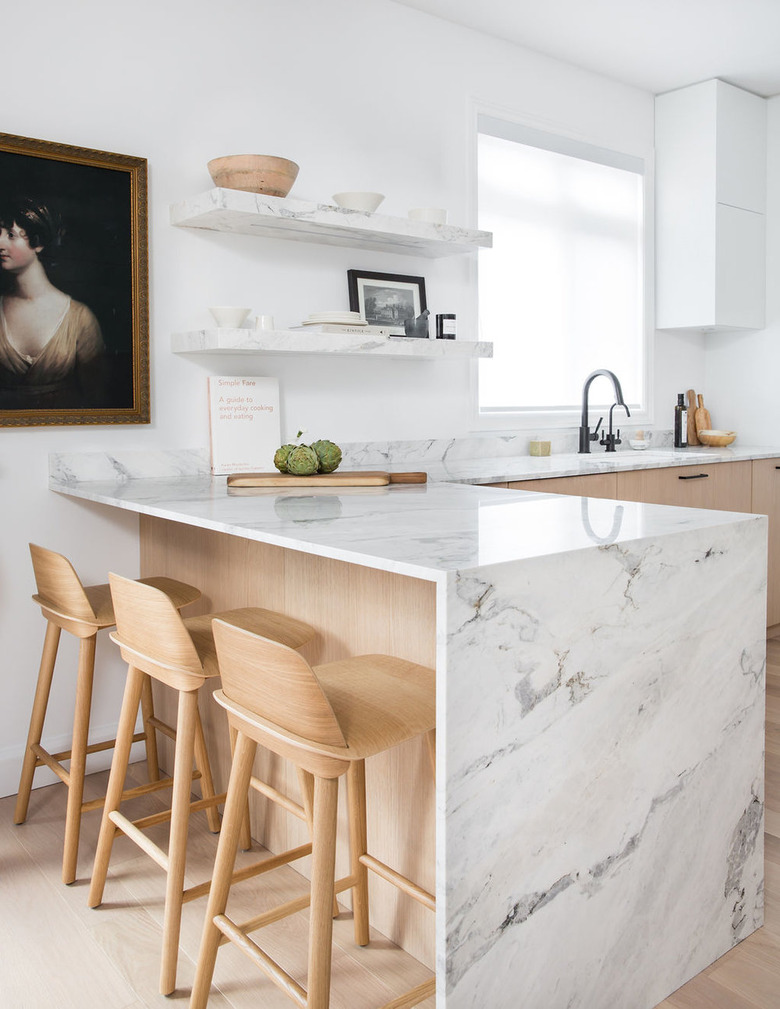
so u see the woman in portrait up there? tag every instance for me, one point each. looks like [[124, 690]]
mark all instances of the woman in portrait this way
[[51, 347]]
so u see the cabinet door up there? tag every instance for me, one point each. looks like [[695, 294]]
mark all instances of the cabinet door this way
[[766, 501], [592, 485], [725, 486], [740, 268]]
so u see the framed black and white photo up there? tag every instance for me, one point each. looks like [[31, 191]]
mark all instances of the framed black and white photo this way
[[74, 303], [386, 299]]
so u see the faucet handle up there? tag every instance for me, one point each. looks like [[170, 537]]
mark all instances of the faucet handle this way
[[595, 434]]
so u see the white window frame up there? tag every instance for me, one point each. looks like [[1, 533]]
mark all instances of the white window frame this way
[[524, 420]]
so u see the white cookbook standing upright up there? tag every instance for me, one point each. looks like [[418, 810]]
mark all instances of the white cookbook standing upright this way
[[243, 423]]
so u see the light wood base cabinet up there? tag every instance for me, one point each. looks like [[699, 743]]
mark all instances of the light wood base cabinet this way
[[592, 485], [724, 486], [766, 501]]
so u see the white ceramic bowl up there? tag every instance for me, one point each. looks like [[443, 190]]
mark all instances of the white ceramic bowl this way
[[229, 317], [432, 215], [638, 444], [367, 202]]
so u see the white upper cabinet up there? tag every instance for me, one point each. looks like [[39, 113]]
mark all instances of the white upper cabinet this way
[[710, 204]]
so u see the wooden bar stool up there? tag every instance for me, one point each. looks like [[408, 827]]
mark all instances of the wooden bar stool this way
[[327, 720], [156, 642], [82, 611]]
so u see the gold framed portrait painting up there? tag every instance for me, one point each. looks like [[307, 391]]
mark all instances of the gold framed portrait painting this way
[[74, 286]]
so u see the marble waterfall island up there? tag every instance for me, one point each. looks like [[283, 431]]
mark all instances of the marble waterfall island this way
[[600, 700]]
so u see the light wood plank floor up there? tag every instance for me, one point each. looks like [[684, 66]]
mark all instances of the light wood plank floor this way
[[57, 952]]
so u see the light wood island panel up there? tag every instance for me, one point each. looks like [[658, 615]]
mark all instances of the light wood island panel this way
[[355, 610]]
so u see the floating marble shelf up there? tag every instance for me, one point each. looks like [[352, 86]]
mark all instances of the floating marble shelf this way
[[273, 217], [280, 341]]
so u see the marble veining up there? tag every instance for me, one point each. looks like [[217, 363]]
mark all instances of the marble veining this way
[[556, 892]]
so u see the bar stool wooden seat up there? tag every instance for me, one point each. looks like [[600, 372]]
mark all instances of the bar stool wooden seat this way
[[156, 642], [327, 720], [80, 610]]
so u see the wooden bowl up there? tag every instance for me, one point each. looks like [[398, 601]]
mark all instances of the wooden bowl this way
[[254, 173], [718, 438]]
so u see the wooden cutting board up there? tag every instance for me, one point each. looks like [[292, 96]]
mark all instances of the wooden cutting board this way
[[355, 478], [693, 438], [703, 422]]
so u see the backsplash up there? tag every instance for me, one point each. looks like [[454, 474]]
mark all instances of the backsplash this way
[[138, 464]]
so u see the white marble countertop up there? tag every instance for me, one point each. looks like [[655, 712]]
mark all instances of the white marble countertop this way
[[524, 467], [420, 530]]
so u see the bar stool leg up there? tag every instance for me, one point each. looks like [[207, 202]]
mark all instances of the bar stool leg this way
[[232, 825], [150, 742], [358, 846], [245, 842], [326, 795], [206, 778], [43, 686], [78, 757], [186, 723], [116, 781], [306, 784], [430, 739]]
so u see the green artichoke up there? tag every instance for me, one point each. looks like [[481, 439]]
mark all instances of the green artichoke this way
[[280, 457], [302, 461], [329, 455]]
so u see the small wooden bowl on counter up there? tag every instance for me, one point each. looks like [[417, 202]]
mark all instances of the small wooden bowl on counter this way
[[717, 438]]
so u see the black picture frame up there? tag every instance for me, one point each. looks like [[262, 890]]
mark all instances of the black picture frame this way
[[386, 299], [87, 211]]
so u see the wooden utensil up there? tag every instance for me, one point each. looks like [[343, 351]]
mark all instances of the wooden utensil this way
[[693, 437], [355, 478], [703, 422]]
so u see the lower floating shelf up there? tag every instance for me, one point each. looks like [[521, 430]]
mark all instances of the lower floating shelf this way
[[285, 341]]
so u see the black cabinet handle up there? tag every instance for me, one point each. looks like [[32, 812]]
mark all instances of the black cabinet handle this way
[[698, 476]]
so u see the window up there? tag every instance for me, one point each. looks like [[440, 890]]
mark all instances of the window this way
[[562, 291]]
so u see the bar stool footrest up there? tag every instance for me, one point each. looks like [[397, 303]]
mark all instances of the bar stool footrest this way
[[277, 974], [256, 869], [399, 881], [130, 830], [414, 996], [290, 907]]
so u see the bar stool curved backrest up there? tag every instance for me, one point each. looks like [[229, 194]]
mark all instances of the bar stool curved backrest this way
[[151, 630], [60, 590], [280, 683]]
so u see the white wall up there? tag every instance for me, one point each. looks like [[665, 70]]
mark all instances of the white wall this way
[[363, 94], [743, 369]]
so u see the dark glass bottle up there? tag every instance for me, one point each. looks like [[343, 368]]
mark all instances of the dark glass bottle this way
[[680, 423]]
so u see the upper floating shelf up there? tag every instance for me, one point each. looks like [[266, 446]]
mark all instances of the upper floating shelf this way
[[298, 220], [254, 341]]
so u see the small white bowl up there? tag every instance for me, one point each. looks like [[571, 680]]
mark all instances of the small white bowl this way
[[229, 317], [638, 444], [367, 202], [432, 215]]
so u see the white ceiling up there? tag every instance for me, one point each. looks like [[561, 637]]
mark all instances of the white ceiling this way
[[656, 45]]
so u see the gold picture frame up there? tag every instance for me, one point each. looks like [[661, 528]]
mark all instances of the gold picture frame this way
[[74, 285]]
